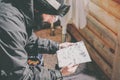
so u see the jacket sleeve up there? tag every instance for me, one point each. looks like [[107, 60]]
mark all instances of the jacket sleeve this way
[[37, 45]]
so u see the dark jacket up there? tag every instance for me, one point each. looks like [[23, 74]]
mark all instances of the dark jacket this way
[[17, 40]]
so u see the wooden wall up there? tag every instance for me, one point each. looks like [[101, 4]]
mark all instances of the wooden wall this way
[[102, 35]]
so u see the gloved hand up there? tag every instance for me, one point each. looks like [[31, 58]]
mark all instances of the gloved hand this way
[[68, 70], [65, 44]]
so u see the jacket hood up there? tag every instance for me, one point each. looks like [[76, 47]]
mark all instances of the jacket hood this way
[[25, 6]]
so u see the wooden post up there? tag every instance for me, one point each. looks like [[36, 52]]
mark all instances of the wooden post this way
[[116, 65], [110, 6]]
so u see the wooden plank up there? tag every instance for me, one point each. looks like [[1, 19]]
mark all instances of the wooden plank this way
[[104, 17], [102, 32], [110, 6], [97, 58], [99, 45], [118, 1], [116, 65], [94, 41]]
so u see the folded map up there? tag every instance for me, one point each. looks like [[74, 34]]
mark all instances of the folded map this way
[[73, 55]]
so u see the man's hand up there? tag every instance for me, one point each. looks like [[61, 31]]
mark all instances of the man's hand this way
[[65, 44], [68, 70]]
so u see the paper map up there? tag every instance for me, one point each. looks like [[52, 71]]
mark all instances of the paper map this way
[[72, 55]]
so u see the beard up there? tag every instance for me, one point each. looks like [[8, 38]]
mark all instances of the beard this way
[[39, 23]]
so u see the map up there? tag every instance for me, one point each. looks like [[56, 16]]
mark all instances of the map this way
[[73, 55]]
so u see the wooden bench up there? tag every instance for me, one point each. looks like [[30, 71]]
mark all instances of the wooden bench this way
[[105, 56]]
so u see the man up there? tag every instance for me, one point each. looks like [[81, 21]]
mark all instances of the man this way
[[17, 39]]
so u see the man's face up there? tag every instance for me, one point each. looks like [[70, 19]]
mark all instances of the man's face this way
[[49, 18], [43, 21]]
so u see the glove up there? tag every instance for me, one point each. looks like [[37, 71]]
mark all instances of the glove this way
[[68, 70], [65, 44]]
